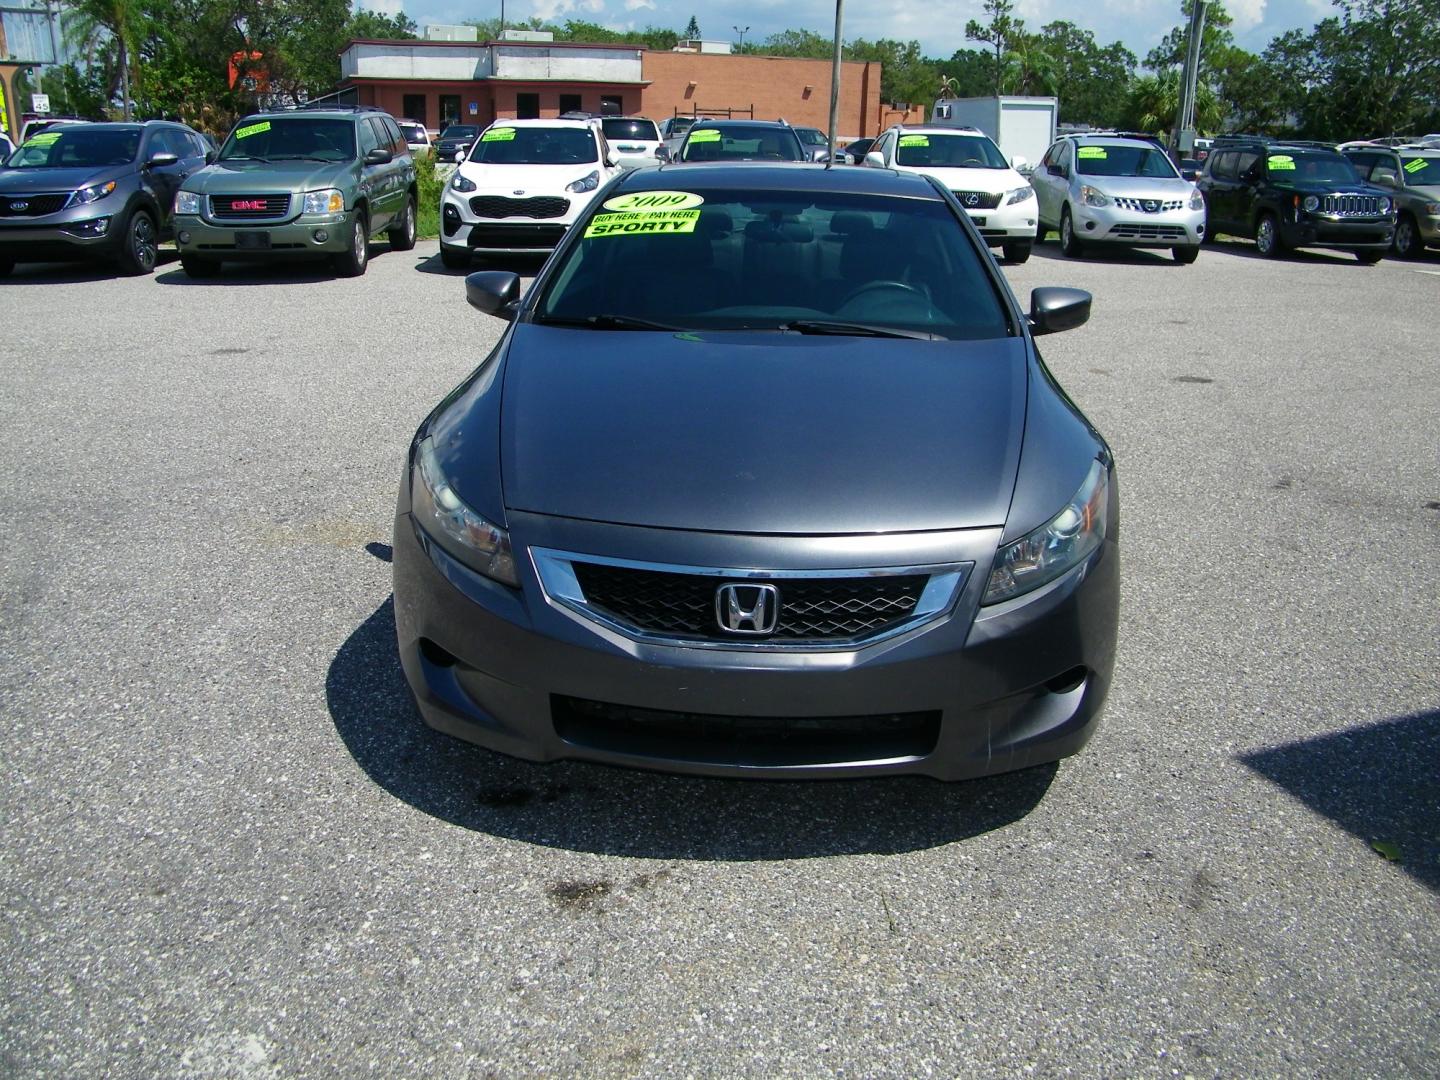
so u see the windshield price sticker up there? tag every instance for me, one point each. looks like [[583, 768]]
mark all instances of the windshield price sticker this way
[[45, 138], [252, 129], [914, 140], [705, 135], [653, 201], [499, 135], [643, 223], [1417, 165], [1280, 163], [1098, 153]]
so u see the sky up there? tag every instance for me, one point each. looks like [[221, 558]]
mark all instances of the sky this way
[[1139, 24]]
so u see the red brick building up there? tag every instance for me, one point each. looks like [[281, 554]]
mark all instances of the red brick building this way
[[442, 82]]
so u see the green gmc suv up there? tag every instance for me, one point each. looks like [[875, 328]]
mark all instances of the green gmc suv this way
[[292, 184]]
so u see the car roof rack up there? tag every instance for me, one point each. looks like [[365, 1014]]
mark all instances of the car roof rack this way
[[578, 114], [330, 106], [1230, 141], [1139, 136]]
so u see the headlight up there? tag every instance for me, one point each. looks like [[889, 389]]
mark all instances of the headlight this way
[[461, 183], [94, 192], [1310, 203], [1060, 544], [1093, 196], [1197, 201], [187, 202], [328, 201], [440, 512], [1384, 206], [587, 183], [1432, 208], [1020, 194]]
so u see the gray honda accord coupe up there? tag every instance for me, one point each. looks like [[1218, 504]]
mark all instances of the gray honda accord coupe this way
[[766, 477]]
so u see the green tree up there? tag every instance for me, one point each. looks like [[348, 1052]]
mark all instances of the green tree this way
[[1153, 100], [1091, 82], [692, 29], [795, 43], [376, 26], [905, 74], [968, 73], [999, 33], [96, 27]]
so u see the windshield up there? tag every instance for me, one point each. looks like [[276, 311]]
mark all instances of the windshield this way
[[741, 143], [291, 138], [949, 152], [680, 125], [1421, 171], [812, 137], [620, 130], [67, 146], [460, 131], [535, 146], [413, 132], [1123, 161], [722, 259], [1309, 167]]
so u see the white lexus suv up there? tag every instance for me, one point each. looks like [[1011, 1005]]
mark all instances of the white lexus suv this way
[[998, 199], [520, 186]]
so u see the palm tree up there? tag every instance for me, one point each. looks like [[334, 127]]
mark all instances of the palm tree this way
[[92, 27], [1155, 99]]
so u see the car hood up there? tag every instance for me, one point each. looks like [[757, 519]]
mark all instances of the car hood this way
[[1140, 187], [760, 432], [1429, 192], [26, 181], [530, 179], [989, 180], [259, 177]]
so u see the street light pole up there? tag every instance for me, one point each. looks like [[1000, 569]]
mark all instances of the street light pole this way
[[835, 80], [742, 33]]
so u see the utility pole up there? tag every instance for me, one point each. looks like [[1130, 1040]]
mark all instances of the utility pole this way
[[742, 33], [1183, 138], [835, 79]]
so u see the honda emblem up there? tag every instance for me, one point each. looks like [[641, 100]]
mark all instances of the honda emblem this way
[[747, 609]]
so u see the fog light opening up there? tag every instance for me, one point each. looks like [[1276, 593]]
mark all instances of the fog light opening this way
[[184, 237], [320, 236], [1067, 681], [1089, 225], [434, 654]]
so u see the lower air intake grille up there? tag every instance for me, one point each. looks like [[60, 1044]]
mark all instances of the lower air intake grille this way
[[498, 206]]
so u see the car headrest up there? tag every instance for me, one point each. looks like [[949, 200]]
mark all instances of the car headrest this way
[[852, 223], [779, 232]]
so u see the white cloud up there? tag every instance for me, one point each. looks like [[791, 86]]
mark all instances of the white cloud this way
[[1246, 13], [383, 7], [636, 5]]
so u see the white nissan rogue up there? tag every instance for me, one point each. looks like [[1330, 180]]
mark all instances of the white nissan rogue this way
[[520, 186], [998, 199]]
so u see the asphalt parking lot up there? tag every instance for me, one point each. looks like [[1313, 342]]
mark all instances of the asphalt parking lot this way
[[231, 849]]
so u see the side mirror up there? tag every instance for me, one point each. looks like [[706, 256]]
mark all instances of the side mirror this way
[[1053, 309], [459, 157], [162, 159], [379, 157], [1055, 170], [661, 153], [875, 158], [1189, 174], [210, 157], [612, 159], [495, 292]]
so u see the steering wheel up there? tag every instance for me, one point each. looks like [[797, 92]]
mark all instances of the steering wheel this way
[[876, 286], [971, 161]]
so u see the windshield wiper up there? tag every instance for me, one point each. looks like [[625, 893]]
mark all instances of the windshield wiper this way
[[606, 322], [298, 157], [824, 326]]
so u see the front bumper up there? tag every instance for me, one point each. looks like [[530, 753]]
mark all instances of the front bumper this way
[[287, 239], [1137, 228], [1006, 223], [96, 236], [1300, 229], [959, 697], [460, 227]]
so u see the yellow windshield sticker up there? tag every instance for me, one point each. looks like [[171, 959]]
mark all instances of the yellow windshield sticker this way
[[643, 223], [914, 140], [45, 138], [1098, 153], [652, 201], [252, 129], [499, 135], [705, 135], [1417, 165], [1280, 163]]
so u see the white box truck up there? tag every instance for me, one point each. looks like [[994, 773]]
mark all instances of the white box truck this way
[[1023, 127]]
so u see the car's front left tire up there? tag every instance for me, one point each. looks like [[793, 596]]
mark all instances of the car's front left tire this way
[[353, 261], [1069, 243], [1407, 238], [1185, 254], [140, 246], [454, 258], [1369, 257], [1017, 251], [1267, 237]]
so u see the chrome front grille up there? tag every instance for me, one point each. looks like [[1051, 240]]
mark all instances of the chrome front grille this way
[[684, 604], [978, 200], [248, 207], [1150, 206], [1148, 232], [1351, 205]]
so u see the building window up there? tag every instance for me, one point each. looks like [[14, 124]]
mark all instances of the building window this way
[[414, 108], [610, 106], [527, 106], [449, 110], [570, 103]]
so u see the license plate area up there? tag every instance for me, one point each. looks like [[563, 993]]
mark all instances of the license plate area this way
[[252, 241], [978, 220]]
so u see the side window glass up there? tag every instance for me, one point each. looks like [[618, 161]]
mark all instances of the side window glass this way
[[1247, 161], [1224, 166], [1050, 155], [1063, 157], [368, 140], [397, 140]]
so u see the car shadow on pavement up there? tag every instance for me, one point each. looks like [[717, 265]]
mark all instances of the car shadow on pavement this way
[[1377, 782], [1244, 249], [613, 811], [283, 272], [1110, 253], [527, 266], [76, 273]]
